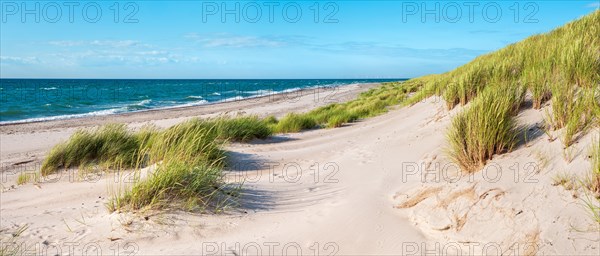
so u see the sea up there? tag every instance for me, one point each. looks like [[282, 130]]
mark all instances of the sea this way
[[34, 100]]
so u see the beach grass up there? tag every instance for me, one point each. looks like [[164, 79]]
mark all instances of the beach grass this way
[[114, 146], [371, 103], [561, 66], [243, 128], [592, 199], [27, 177], [188, 162], [594, 183], [187, 158], [12, 246], [111, 146], [486, 127], [293, 122], [569, 55]]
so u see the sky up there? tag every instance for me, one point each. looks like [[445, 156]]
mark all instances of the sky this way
[[263, 39]]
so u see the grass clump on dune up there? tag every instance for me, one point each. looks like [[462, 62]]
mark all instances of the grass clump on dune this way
[[572, 109], [114, 146], [244, 128], [27, 177], [368, 104], [111, 146], [193, 137], [293, 122], [485, 128], [187, 158], [562, 66], [187, 174]]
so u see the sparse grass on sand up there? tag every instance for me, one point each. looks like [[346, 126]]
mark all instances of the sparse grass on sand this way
[[594, 182], [27, 177], [592, 200], [12, 246]]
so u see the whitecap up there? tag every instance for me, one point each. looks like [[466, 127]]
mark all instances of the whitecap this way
[[143, 102], [62, 117], [262, 92], [195, 103]]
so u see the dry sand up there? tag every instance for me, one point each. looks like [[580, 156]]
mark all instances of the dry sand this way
[[362, 189]]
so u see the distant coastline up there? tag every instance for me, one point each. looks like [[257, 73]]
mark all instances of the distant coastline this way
[[276, 104], [40, 100]]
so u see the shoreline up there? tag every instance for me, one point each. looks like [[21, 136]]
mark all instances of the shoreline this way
[[269, 93], [320, 95], [30, 142]]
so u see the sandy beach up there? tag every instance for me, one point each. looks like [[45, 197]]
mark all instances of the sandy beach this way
[[380, 186], [28, 142]]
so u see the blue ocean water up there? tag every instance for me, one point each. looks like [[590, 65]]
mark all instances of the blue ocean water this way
[[29, 100]]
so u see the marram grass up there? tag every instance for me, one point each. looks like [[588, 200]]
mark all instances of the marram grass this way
[[594, 184], [592, 200], [569, 55], [374, 102], [485, 128], [187, 159], [188, 167], [562, 66], [111, 145]]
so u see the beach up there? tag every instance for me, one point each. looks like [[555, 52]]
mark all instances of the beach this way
[[361, 189], [31, 141]]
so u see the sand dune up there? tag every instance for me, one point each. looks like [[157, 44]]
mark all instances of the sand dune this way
[[362, 189]]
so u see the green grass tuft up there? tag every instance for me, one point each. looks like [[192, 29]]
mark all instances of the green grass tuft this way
[[27, 177], [594, 184], [111, 145], [243, 128], [293, 122], [188, 161], [485, 128]]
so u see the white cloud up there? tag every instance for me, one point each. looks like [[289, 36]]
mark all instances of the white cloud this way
[[18, 60], [119, 57], [235, 41], [102, 43]]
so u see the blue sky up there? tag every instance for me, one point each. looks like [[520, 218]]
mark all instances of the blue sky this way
[[200, 39]]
